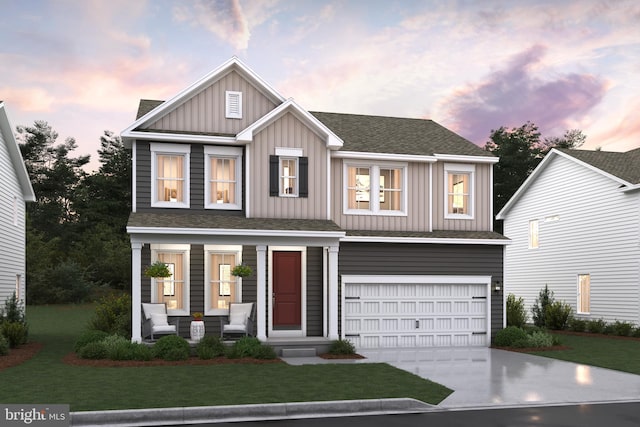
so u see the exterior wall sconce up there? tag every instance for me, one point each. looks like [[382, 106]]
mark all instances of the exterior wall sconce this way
[[497, 286]]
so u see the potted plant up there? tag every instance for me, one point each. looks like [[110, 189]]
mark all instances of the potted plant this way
[[197, 316], [157, 269], [241, 270]]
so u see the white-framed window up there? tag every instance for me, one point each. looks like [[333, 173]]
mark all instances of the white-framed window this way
[[170, 175], [221, 287], [223, 177], [375, 189], [288, 176], [534, 234], [233, 104], [172, 290], [459, 191], [584, 293]]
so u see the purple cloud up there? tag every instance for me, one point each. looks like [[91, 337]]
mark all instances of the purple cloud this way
[[514, 95]]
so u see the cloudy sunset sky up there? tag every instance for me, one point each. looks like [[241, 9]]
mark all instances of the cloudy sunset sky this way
[[473, 66]]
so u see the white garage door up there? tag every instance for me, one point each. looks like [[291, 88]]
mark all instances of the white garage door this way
[[416, 311]]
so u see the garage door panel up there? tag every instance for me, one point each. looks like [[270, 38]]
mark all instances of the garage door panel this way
[[416, 314]]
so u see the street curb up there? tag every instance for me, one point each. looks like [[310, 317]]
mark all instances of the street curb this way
[[231, 413]]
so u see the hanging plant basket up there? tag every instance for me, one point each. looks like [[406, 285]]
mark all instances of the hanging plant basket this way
[[157, 269], [241, 270]]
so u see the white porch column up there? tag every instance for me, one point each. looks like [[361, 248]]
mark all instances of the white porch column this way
[[333, 293], [136, 291], [261, 303]]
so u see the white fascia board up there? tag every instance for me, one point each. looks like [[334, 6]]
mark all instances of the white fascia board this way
[[232, 64], [594, 169], [630, 188], [444, 241], [382, 156], [235, 232], [466, 159], [15, 156], [181, 137], [290, 106], [418, 278]]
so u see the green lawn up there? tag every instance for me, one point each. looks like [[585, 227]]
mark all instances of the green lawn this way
[[606, 352], [46, 379]]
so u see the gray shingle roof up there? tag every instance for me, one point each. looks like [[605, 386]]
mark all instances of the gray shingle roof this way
[[436, 234], [229, 222], [625, 166], [377, 134], [395, 135]]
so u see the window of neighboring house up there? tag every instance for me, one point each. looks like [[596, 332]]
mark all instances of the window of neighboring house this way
[[584, 293], [223, 185], [172, 290], [18, 283], [170, 172], [459, 184], [534, 234], [233, 104], [15, 210], [386, 198], [288, 173], [222, 288]]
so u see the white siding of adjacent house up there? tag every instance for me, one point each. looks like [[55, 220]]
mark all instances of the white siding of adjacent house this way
[[597, 232], [12, 226]]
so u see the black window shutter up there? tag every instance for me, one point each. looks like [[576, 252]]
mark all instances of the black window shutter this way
[[274, 186], [303, 189]]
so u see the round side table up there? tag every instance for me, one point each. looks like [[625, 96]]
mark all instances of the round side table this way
[[197, 330]]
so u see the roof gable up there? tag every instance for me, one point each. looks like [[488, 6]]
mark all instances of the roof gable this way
[[15, 155], [150, 112], [623, 168]]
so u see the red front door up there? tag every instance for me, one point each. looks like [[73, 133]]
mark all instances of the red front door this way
[[287, 290]]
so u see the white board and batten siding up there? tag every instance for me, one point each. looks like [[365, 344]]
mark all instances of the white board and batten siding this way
[[416, 311], [12, 227], [586, 226]]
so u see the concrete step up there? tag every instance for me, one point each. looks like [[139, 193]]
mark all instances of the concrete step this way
[[299, 352]]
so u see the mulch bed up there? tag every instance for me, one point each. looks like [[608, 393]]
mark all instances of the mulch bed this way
[[19, 355], [533, 349], [73, 359], [341, 356]]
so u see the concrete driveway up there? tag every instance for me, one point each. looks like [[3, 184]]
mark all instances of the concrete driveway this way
[[484, 377]]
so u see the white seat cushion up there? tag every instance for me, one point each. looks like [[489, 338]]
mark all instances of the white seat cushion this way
[[234, 328], [238, 319], [150, 308], [163, 328], [159, 319]]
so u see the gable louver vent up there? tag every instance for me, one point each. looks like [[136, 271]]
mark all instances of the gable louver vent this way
[[233, 105]]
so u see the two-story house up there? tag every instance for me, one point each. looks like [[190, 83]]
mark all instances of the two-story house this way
[[374, 229], [15, 191], [575, 226]]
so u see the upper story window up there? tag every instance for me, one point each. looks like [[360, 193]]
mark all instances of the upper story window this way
[[223, 177], [233, 103], [375, 189], [534, 234], [170, 175], [172, 290], [288, 173], [459, 185]]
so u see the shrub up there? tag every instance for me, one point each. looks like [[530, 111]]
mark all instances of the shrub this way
[[13, 310], [89, 336], [113, 315], [545, 298], [508, 336], [16, 333], [265, 352], [636, 332], [516, 313], [540, 339], [116, 347], [342, 347], [140, 352], [94, 350], [623, 329], [4, 346], [210, 347], [244, 347], [577, 325], [596, 326], [171, 347], [557, 315]]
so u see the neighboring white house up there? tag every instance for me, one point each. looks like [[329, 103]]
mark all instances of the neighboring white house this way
[[575, 226], [15, 190]]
